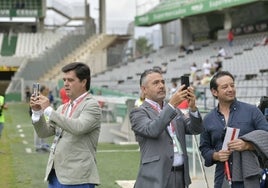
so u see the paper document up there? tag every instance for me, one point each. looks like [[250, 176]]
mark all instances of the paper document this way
[[231, 134]]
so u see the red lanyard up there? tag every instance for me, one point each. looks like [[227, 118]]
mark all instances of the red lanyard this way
[[74, 107], [156, 109], [172, 127]]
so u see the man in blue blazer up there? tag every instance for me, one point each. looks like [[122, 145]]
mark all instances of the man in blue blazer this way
[[76, 126], [160, 129]]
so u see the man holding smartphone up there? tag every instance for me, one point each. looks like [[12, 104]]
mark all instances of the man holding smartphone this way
[[39, 143], [75, 127], [160, 130]]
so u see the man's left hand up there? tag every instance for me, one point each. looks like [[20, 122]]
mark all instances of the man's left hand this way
[[191, 99], [240, 145]]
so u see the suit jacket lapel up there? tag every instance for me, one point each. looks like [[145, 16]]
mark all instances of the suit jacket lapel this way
[[150, 108]]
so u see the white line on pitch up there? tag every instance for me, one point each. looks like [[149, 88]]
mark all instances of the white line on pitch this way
[[25, 142], [28, 150]]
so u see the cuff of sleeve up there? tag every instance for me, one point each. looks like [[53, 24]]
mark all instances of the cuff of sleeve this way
[[171, 106], [48, 111], [36, 115], [195, 114], [39, 112]]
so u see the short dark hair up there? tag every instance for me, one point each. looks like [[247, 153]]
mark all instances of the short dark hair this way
[[148, 71], [213, 81], [81, 70]]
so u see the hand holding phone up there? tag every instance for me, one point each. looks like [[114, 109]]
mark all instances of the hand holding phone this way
[[185, 81]]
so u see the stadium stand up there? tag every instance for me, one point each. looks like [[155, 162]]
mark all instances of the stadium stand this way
[[90, 46], [243, 62], [30, 4], [8, 44], [40, 56], [34, 68], [249, 62], [37, 43]]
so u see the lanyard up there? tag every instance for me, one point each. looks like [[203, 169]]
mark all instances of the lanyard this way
[[60, 130], [74, 106], [172, 133], [155, 107]]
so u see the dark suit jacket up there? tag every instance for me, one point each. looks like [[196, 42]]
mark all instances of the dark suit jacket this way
[[156, 146], [246, 166]]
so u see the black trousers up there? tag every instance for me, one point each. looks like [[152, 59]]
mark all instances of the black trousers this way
[[176, 178]]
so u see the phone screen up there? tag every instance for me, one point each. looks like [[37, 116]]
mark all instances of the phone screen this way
[[36, 88], [185, 81]]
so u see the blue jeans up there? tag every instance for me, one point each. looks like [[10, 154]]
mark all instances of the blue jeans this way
[[54, 183]]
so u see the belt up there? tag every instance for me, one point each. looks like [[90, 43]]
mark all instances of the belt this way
[[177, 168]]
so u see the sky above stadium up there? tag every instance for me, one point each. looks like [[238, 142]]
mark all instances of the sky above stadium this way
[[119, 10], [116, 9], [119, 13]]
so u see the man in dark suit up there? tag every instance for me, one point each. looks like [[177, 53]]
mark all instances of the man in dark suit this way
[[160, 128], [76, 126]]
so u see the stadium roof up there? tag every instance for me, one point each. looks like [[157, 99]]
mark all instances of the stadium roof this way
[[169, 10]]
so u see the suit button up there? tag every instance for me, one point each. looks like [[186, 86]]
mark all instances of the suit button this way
[[171, 157]]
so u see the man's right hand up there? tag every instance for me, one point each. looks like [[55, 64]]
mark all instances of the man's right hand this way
[[34, 104], [222, 155]]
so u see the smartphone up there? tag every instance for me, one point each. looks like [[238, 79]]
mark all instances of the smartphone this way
[[36, 89], [185, 81]]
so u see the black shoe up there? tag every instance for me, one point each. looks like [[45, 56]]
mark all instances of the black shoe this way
[[41, 150], [38, 150], [45, 149]]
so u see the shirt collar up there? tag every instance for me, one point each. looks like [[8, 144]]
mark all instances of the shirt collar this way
[[155, 104], [233, 106], [78, 98]]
